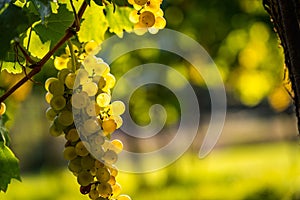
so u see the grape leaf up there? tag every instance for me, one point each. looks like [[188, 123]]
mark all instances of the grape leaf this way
[[118, 19], [43, 7], [3, 2], [94, 24], [88, 2], [36, 48], [55, 25], [10, 64], [9, 167], [13, 21]]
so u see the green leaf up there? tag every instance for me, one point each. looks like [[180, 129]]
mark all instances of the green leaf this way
[[55, 25], [118, 19], [36, 47], [13, 21], [10, 64], [94, 24], [9, 167], [43, 7], [88, 2]]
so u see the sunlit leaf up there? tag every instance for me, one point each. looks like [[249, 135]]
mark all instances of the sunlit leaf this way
[[9, 167], [10, 63], [55, 25], [118, 19], [36, 47], [94, 25]]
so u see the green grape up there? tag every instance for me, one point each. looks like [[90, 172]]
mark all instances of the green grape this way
[[62, 74], [123, 197], [80, 100], [110, 80], [54, 130], [118, 120], [93, 109], [102, 175], [104, 189], [91, 126], [70, 153], [110, 157], [103, 99], [81, 148], [113, 171], [98, 164], [65, 118], [58, 102], [48, 97], [96, 139], [101, 68], [97, 151], [84, 178], [61, 62], [141, 2], [2, 108], [56, 88], [118, 107], [75, 165], [82, 75], [93, 194], [117, 145], [90, 46], [87, 162], [101, 82], [48, 81], [96, 79], [160, 22], [93, 171], [109, 126], [147, 18], [116, 188], [89, 61], [90, 88], [72, 135], [70, 80], [112, 181], [50, 114]]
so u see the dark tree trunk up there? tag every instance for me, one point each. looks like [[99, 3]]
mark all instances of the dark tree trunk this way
[[285, 15]]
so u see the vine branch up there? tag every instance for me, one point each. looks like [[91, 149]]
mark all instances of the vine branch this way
[[36, 67]]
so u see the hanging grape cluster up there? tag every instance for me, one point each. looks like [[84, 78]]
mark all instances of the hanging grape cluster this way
[[82, 111], [147, 15]]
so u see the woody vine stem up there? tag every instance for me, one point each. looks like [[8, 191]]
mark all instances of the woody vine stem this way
[[36, 67]]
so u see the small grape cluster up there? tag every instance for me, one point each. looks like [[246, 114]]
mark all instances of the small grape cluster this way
[[147, 15], [87, 124]]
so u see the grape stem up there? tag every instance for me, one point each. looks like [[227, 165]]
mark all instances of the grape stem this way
[[36, 67]]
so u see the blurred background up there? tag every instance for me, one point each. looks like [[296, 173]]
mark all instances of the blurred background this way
[[257, 155]]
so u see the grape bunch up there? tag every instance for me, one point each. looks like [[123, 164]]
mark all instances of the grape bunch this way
[[147, 15], [82, 111]]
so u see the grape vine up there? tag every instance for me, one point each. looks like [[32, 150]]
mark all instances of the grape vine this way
[[85, 121]]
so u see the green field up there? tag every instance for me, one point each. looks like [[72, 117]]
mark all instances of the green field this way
[[267, 171]]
